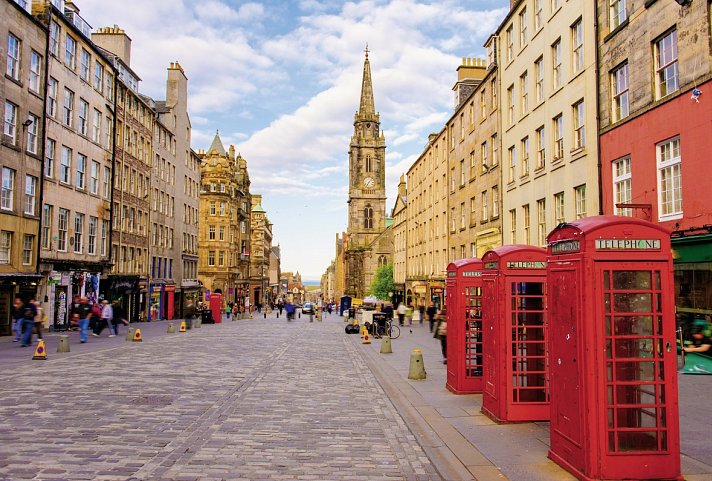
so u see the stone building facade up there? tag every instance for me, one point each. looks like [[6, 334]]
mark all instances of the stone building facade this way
[[78, 162], [224, 238], [655, 74], [400, 226], [261, 246], [370, 240], [546, 60], [22, 91]]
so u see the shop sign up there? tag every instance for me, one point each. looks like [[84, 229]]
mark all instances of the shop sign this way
[[566, 246], [627, 244], [54, 278], [420, 289], [526, 265], [491, 265]]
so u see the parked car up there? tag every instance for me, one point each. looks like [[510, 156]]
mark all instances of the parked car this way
[[308, 308]]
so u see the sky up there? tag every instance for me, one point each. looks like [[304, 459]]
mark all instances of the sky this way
[[281, 81]]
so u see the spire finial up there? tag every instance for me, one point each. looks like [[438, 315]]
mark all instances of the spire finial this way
[[366, 50]]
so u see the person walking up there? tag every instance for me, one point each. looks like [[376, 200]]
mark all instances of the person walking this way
[[289, 308], [228, 311], [417, 315], [189, 314], [235, 310], [118, 316], [84, 314], [39, 318], [17, 319], [29, 312], [441, 332], [431, 311], [401, 310], [280, 306], [105, 320]]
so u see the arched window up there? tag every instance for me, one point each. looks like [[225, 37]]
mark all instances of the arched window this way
[[369, 167], [382, 261], [368, 217]]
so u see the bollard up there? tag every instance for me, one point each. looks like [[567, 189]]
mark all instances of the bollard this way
[[265, 314], [386, 344], [130, 334], [171, 329], [63, 343], [198, 322], [417, 369]]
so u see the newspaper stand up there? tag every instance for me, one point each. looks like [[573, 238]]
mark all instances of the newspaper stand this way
[[515, 385], [464, 321], [614, 410]]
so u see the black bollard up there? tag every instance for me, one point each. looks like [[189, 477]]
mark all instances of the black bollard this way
[[265, 314]]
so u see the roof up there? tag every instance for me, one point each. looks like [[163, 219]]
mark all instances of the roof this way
[[217, 145]]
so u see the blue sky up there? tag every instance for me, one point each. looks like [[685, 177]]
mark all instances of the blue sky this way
[[281, 81]]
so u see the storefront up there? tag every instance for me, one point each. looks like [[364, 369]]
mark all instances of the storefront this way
[[156, 304], [124, 289], [11, 285], [61, 286], [692, 264]]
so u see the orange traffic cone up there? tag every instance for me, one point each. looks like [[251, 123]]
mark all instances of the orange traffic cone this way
[[40, 352], [366, 338], [182, 327], [137, 336]]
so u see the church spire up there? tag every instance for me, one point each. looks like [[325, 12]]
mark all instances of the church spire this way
[[367, 106], [217, 145]]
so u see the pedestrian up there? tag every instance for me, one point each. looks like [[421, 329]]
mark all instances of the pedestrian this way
[[17, 319], [417, 315], [402, 309], [40, 318], [189, 314], [228, 311], [235, 310], [431, 311], [441, 332], [106, 318], [29, 312], [421, 309], [119, 317], [280, 306], [289, 307], [84, 314]]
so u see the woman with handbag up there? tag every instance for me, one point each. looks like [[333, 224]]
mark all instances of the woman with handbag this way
[[441, 331]]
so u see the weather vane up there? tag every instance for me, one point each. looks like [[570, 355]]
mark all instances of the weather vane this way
[[366, 50]]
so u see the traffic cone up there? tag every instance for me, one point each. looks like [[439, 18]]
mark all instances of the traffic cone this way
[[40, 352], [364, 331], [366, 338], [171, 329], [182, 327], [137, 336]]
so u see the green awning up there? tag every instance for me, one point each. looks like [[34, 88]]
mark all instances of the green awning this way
[[694, 248]]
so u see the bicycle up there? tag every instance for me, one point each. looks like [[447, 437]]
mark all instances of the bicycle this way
[[390, 328]]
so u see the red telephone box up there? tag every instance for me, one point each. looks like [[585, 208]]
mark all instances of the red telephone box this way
[[464, 321], [614, 409], [516, 385], [216, 307]]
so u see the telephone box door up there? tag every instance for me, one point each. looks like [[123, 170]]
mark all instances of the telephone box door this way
[[490, 299]]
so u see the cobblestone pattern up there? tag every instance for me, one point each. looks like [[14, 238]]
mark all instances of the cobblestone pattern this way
[[257, 400]]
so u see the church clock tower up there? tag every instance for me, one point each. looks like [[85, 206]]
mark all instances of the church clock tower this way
[[367, 169]]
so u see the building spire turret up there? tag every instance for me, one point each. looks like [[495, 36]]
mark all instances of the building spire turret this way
[[217, 145], [367, 106]]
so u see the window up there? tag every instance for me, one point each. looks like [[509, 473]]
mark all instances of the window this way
[[485, 207], [473, 249], [556, 64], [211, 258], [94, 177], [462, 126], [85, 63], [50, 148], [91, 243], [555, 5], [10, 124], [107, 133], [109, 86], [81, 171], [493, 89], [369, 164], [619, 90], [622, 186], [579, 115], [513, 226], [559, 215], [212, 207], [46, 226], [537, 15], [62, 229], [618, 13], [580, 197], [98, 77], [463, 215], [539, 72], [104, 237], [5, 246], [78, 231], [510, 105], [577, 46], [483, 156], [65, 165], [463, 174], [473, 207], [495, 201], [70, 52], [368, 217], [540, 148], [35, 71], [541, 221], [68, 107], [222, 207], [30, 194], [523, 20], [483, 104], [27, 245], [32, 130], [495, 149], [52, 87], [106, 182], [221, 258], [669, 179], [524, 92], [13, 57], [453, 220], [211, 232], [54, 38], [473, 165], [512, 163], [525, 157], [221, 233], [510, 43], [666, 64], [96, 127], [526, 219], [83, 116], [558, 128], [7, 194]]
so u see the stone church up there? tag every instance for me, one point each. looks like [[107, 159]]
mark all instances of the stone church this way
[[369, 235]]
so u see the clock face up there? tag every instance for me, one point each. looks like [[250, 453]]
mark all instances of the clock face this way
[[368, 182]]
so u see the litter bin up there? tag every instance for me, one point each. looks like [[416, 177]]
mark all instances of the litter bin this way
[[352, 313], [206, 317]]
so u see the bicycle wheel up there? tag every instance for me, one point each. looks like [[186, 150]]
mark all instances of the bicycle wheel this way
[[394, 331]]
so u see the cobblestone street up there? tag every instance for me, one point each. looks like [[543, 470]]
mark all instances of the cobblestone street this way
[[260, 399]]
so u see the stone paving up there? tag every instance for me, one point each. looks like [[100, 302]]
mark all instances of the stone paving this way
[[257, 399]]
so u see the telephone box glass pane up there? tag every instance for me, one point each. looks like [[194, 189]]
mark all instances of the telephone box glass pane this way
[[624, 280], [473, 331]]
